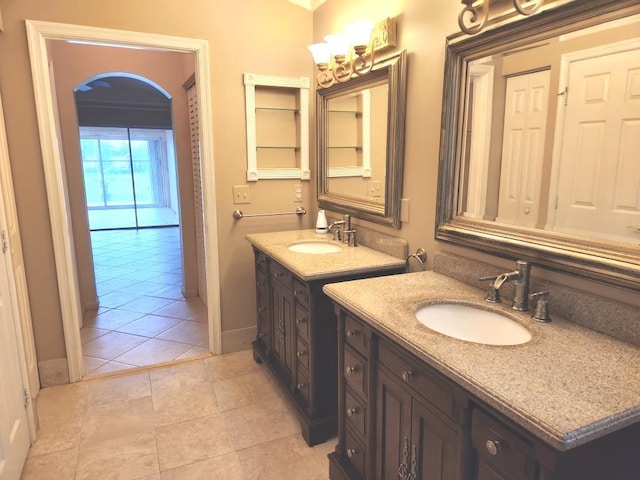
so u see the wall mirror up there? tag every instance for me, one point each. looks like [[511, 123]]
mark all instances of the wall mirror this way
[[541, 134], [360, 143]]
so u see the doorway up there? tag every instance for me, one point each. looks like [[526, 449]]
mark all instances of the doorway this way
[[59, 206], [128, 157]]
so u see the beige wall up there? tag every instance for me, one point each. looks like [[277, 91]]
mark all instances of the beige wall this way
[[240, 40], [422, 30], [257, 36], [72, 65]]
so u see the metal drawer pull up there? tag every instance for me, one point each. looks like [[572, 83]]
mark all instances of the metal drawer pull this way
[[278, 274], [301, 353], [350, 370], [299, 321], [407, 375], [493, 447], [351, 333], [352, 411], [297, 292], [300, 386], [260, 284], [351, 452], [261, 309]]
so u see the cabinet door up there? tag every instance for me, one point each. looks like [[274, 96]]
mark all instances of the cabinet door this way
[[434, 445], [281, 308], [393, 429]]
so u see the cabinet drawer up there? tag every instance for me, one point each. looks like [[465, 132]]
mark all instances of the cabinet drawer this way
[[412, 373], [355, 453], [302, 321], [355, 371], [302, 386], [280, 274], [302, 352], [354, 334], [301, 292], [500, 447], [261, 260], [356, 413]]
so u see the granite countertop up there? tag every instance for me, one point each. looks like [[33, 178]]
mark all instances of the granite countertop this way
[[568, 385], [349, 260]]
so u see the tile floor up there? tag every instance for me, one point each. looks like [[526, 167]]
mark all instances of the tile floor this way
[[143, 318], [216, 418]]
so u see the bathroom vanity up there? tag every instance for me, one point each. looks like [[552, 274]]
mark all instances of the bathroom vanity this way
[[416, 404], [296, 322]]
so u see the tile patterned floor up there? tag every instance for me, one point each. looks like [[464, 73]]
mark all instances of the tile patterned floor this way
[[143, 318], [216, 418]]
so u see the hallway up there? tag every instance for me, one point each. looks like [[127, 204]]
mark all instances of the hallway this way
[[143, 318]]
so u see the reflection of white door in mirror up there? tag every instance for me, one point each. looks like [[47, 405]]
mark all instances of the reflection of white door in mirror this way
[[525, 120], [598, 163], [476, 161]]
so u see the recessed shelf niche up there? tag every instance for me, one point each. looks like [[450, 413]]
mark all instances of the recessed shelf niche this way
[[277, 113]]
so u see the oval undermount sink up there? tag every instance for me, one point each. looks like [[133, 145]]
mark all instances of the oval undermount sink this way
[[317, 248], [466, 322]]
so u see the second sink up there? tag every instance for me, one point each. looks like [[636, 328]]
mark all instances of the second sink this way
[[315, 247], [466, 322]]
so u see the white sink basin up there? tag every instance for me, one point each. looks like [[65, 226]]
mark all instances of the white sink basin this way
[[466, 322], [315, 247]]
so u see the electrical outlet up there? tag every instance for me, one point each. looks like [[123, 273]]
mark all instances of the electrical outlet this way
[[241, 194], [297, 193], [375, 188]]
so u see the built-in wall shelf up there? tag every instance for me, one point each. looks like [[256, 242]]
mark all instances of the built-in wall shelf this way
[[277, 114]]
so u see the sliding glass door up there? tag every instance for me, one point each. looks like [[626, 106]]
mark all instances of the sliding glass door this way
[[129, 176]]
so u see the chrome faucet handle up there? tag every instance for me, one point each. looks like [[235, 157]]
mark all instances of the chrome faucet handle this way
[[350, 237], [494, 293], [541, 314]]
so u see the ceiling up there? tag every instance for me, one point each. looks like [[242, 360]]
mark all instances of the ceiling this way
[[308, 4]]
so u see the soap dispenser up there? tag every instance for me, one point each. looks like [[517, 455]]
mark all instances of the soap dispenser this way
[[321, 222]]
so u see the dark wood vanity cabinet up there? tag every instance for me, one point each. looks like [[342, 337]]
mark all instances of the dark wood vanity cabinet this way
[[390, 429], [398, 418], [414, 439], [297, 340]]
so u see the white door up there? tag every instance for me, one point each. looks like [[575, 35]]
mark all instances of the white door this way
[[17, 275], [14, 428], [525, 122], [599, 163]]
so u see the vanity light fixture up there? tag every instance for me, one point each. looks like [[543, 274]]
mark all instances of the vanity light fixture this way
[[352, 53], [475, 14]]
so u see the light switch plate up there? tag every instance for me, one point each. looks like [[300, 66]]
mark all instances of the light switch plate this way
[[404, 210], [241, 194]]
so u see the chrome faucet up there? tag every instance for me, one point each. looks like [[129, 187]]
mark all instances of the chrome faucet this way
[[343, 232], [336, 227], [349, 233], [520, 277]]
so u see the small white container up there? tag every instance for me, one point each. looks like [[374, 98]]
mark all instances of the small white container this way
[[321, 222]]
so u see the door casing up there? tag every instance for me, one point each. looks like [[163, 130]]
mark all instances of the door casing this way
[[38, 33]]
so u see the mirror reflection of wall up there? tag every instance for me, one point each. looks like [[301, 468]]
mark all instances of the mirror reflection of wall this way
[[552, 134], [356, 143]]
